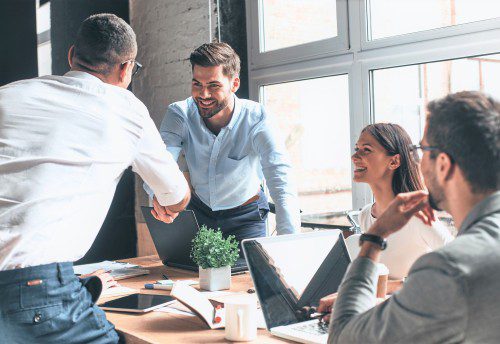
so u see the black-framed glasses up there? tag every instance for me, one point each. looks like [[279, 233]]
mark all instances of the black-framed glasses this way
[[422, 148], [418, 150], [137, 66]]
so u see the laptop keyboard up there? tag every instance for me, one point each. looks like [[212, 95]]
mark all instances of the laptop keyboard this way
[[316, 328]]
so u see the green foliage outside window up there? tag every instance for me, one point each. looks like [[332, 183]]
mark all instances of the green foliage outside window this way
[[211, 250]]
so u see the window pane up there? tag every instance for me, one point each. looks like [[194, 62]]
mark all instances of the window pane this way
[[401, 94], [397, 17], [43, 18], [317, 138], [44, 52], [292, 22]]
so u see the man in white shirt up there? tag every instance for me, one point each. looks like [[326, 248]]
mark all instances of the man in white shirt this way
[[64, 144]]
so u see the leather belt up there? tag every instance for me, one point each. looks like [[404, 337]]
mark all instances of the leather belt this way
[[250, 200]]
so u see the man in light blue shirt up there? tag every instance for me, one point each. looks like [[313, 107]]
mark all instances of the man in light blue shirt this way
[[230, 145]]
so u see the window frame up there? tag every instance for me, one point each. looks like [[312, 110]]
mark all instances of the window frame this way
[[360, 57], [321, 48], [420, 36]]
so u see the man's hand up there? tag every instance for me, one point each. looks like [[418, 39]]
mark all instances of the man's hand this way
[[326, 305], [162, 213], [107, 280], [400, 211]]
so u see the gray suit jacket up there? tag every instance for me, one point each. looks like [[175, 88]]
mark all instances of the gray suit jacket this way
[[451, 295]]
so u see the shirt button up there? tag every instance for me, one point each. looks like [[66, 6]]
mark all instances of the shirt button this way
[[37, 318]]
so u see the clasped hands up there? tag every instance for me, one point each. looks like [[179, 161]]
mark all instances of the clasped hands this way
[[163, 213]]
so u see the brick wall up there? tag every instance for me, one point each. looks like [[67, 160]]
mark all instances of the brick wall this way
[[167, 32]]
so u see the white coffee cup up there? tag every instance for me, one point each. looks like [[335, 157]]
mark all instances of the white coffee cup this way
[[241, 318]]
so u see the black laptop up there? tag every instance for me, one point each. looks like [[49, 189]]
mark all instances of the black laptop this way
[[173, 240], [291, 272]]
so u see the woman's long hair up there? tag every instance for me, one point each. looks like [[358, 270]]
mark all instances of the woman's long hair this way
[[396, 140]]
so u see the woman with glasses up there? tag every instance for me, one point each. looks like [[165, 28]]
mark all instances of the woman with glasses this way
[[385, 159]]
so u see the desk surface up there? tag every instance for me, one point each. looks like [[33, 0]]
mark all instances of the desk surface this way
[[159, 327]]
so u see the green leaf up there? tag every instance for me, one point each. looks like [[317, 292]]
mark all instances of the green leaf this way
[[211, 250]]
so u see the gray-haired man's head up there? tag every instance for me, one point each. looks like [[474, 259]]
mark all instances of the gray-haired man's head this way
[[103, 41]]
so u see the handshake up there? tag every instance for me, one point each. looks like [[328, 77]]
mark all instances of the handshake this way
[[168, 213]]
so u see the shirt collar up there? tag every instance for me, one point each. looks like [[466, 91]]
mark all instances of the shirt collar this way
[[236, 112], [81, 75], [487, 206]]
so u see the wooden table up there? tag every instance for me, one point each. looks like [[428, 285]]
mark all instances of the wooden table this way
[[159, 327]]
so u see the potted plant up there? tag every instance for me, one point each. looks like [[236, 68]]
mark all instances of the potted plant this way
[[214, 255]]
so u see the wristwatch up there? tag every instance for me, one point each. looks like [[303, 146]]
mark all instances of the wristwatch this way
[[374, 239]]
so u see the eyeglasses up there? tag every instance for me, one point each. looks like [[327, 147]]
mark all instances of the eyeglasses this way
[[420, 148], [137, 66]]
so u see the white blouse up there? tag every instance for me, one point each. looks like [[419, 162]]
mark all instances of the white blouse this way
[[406, 245]]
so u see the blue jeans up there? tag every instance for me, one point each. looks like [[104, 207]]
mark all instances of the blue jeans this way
[[246, 221], [49, 304]]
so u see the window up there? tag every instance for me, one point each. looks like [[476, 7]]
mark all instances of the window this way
[[325, 70], [317, 138], [401, 94], [293, 22], [44, 49], [395, 17]]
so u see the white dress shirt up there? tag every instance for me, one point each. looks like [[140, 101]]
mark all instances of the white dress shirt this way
[[64, 144]]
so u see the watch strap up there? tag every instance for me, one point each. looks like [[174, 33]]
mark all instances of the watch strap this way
[[381, 242]]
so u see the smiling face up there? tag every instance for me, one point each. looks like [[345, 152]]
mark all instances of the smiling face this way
[[212, 90], [371, 162]]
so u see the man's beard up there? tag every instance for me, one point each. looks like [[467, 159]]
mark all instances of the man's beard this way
[[209, 113], [433, 203], [436, 194]]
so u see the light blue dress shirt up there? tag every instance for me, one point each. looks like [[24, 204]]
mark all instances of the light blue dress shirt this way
[[227, 169]]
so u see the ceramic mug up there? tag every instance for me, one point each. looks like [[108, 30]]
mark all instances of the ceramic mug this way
[[241, 319]]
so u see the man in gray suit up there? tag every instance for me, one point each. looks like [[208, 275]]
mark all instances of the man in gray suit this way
[[451, 294]]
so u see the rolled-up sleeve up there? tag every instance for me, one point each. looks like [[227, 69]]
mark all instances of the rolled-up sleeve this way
[[158, 168], [277, 171], [172, 130], [430, 308]]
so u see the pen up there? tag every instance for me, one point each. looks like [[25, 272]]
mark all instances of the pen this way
[[158, 286], [318, 315]]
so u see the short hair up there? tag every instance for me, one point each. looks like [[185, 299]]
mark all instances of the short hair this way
[[466, 126], [395, 140], [217, 54], [103, 40]]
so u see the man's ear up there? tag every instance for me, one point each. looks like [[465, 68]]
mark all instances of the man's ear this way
[[395, 162], [235, 84], [445, 168], [123, 69], [70, 56]]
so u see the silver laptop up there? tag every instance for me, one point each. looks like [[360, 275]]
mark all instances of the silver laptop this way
[[291, 272]]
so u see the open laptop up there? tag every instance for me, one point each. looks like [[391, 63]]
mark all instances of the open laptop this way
[[293, 271], [173, 240]]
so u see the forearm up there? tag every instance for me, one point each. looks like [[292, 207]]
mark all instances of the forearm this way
[[284, 195], [178, 207], [357, 294]]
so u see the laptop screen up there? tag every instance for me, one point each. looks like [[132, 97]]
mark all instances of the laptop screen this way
[[293, 271]]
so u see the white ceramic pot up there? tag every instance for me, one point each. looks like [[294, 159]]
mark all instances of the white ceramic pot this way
[[215, 278]]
